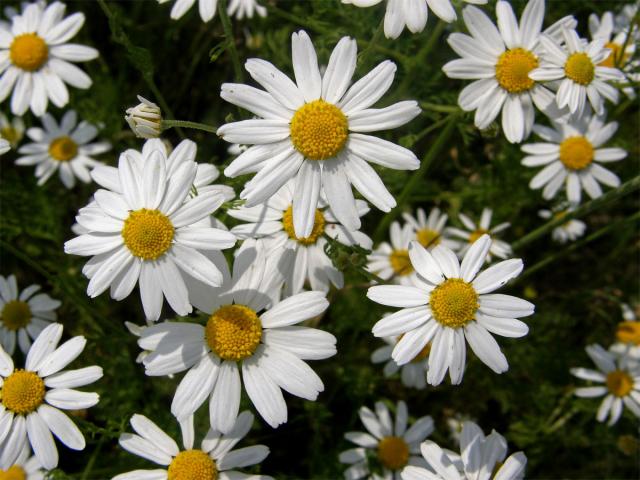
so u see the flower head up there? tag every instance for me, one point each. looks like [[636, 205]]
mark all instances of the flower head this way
[[11, 131], [390, 260], [207, 8], [568, 231], [145, 119], [499, 248]]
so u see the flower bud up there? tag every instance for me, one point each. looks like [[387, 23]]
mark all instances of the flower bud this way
[[145, 119]]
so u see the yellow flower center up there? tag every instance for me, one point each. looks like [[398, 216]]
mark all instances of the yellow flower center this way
[[400, 262], [192, 465], [318, 227], [28, 52], [16, 315], [476, 234], [13, 473], [11, 135], [454, 303], [629, 332], [393, 452], [512, 70], [619, 383], [576, 153], [63, 149], [427, 237], [233, 332], [615, 57], [147, 233], [22, 392], [319, 130], [580, 68]]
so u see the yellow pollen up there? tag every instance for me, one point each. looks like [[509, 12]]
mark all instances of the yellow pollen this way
[[427, 237], [22, 392], [576, 153], [318, 227], [63, 149], [16, 315], [192, 465], [28, 52], [614, 57], [319, 130], [628, 332], [11, 135], [512, 70], [393, 452], [400, 262], [147, 233], [15, 472], [619, 383], [476, 234], [233, 332], [454, 303], [580, 68]]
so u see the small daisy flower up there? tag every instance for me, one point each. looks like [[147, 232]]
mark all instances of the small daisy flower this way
[[577, 66], [412, 14], [621, 378], [24, 468], [144, 228], [215, 458], [145, 119], [11, 131], [391, 260], [499, 248], [23, 315], [569, 231], [207, 8], [450, 304], [456, 424], [274, 221], [32, 397], [245, 9], [499, 59], [35, 58], [314, 131], [64, 148], [571, 155], [412, 374], [430, 231], [5, 146], [628, 334], [393, 445], [480, 457]]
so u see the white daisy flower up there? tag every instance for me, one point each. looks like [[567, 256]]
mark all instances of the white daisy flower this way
[[25, 467], [32, 397], [569, 231], [273, 221], [315, 132], [207, 8], [245, 9], [627, 335], [412, 374], [63, 147], [430, 231], [215, 458], [499, 60], [11, 131], [499, 248], [5, 146], [480, 458], [145, 119], [247, 330], [144, 228], [621, 378], [23, 315], [576, 65], [451, 303], [35, 56], [393, 445], [412, 13], [572, 155], [456, 424], [390, 261]]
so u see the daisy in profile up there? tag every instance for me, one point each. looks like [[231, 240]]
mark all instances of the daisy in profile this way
[[66, 147], [619, 376], [387, 446], [452, 304], [25, 467], [413, 14], [207, 8], [145, 119], [627, 335], [499, 60], [273, 221], [569, 231], [576, 65], [480, 457], [143, 228], [215, 458], [430, 231], [572, 155], [23, 315], [499, 248], [11, 131], [37, 58], [412, 374], [32, 397], [391, 260], [316, 132]]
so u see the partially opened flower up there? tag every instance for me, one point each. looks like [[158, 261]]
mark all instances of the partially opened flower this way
[[452, 304], [499, 248], [145, 119], [390, 260], [26, 467], [568, 231], [430, 231], [412, 374], [315, 131], [11, 131]]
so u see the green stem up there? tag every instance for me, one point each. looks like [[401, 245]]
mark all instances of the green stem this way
[[369, 48], [440, 108], [167, 124], [431, 43], [228, 33], [92, 460]]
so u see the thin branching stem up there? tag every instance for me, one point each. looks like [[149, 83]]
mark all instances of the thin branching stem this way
[[167, 124], [228, 33]]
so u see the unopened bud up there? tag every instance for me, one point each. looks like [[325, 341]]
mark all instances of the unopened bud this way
[[145, 119]]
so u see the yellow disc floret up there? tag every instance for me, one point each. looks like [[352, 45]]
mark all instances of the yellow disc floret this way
[[400, 262], [192, 465], [393, 452], [15, 472], [476, 234], [233, 332], [318, 227], [319, 130], [454, 303], [28, 52], [427, 237], [616, 56], [619, 383], [580, 68], [147, 233], [16, 315], [63, 149], [512, 70], [628, 332], [22, 392], [576, 153], [11, 135]]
